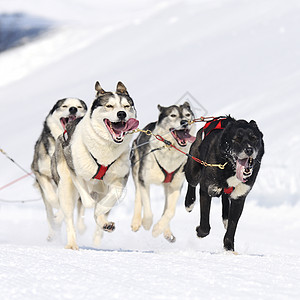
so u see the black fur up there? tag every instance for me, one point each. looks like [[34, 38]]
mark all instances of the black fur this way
[[60, 102], [101, 101], [219, 147], [165, 111]]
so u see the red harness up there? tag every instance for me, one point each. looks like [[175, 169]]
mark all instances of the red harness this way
[[228, 190], [100, 172], [168, 176], [101, 169], [216, 123]]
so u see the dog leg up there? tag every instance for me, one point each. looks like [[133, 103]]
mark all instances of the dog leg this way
[[205, 202], [103, 223], [148, 216], [190, 198], [137, 216], [172, 195], [50, 219], [80, 217], [225, 210], [103, 206], [235, 211], [48, 190], [67, 195], [98, 235]]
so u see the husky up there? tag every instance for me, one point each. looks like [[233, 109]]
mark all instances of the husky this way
[[153, 163], [93, 161], [63, 112], [238, 146]]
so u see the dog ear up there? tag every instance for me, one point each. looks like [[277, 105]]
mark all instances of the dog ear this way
[[160, 108], [254, 125], [187, 105], [98, 88], [121, 89]]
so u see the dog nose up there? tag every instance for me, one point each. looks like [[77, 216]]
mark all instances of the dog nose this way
[[121, 115], [184, 123], [249, 151], [73, 110]]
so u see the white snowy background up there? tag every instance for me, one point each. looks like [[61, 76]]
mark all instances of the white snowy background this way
[[232, 56]]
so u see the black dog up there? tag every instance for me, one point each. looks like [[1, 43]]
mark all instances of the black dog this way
[[238, 146]]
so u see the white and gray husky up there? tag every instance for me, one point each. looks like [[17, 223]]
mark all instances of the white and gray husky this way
[[63, 112], [154, 164], [93, 162]]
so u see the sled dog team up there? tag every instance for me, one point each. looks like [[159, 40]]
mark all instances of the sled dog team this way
[[83, 157]]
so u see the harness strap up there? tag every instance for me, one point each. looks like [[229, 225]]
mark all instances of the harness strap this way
[[101, 169], [168, 176], [228, 190], [216, 123]]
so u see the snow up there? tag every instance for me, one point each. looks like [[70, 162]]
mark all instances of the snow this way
[[235, 56]]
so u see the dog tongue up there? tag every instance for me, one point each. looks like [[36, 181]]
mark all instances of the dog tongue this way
[[72, 117], [131, 124], [185, 136], [241, 165], [120, 127]]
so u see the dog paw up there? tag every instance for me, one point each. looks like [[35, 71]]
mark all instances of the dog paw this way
[[170, 238], [50, 237], [109, 227], [135, 225], [190, 208], [228, 244], [72, 247], [147, 223], [201, 233], [225, 223]]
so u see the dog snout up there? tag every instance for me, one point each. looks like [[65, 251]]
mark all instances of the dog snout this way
[[249, 151], [73, 110], [121, 115], [184, 123]]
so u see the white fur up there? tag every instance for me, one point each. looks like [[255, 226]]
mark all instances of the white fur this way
[[170, 160], [43, 174], [91, 137], [241, 188]]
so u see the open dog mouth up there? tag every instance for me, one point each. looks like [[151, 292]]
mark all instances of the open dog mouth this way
[[244, 168], [182, 136], [65, 120], [118, 130]]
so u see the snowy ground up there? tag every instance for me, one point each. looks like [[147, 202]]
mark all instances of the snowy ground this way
[[233, 56]]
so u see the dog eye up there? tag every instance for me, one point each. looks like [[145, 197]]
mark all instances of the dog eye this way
[[237, 139], [188, 115], [126, 106], [173, 116], [79, 106], [109, 106], [64, 106], [252, 137]]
